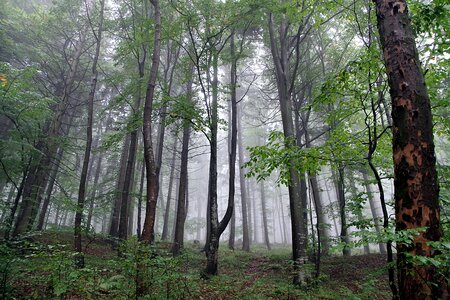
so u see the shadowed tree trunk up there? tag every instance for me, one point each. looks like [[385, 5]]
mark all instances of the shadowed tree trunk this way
[[182, 190], [139, 205], [165, 230], [264, 215], [149, 158], [126, 189], [232, 132], [373, 208], [115, 215], [243, 187], [280, 50], [415, 178], [50, 186], [79, 258], [38, 171]]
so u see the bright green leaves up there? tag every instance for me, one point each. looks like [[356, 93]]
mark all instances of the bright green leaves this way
[[282, 155]]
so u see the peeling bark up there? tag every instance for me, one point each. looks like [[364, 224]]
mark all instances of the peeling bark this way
[[415, 178]]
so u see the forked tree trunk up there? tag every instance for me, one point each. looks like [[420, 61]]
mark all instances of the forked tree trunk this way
[[149, 158], [415, 178], [280, 55]]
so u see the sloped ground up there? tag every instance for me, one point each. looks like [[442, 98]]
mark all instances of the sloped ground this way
[[41, 268]]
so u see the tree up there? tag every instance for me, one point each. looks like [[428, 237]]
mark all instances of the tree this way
[[149, 158], [415, 178], [79, 258]]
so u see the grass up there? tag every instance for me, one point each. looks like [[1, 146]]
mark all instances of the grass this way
[[41, 268]]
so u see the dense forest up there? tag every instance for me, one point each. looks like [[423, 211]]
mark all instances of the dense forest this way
[[207, 149]]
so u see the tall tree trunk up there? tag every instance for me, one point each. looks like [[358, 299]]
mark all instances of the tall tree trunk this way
[[94, 190], [79, 258], [182, 190], [321, 218], [115, 214], [35, 185], [340, 191], [20, 189], [232, 140], [139, 206], [54, 172], [415, 178], [242, 182], [165, 231], [212, 244], [264, 215], [280, 57], [127, 187], [128, 180], [373, 208], [150, 165]]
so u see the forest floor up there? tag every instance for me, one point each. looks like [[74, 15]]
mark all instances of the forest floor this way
[[41, 267]]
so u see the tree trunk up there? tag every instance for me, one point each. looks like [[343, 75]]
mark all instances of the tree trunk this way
[[139, 208], [54, 172], [264, 214], [415, 178], [150, 165], [212, 244], [182, 190], [115, 216], [165, 231], [280, 57], [340, 190], [79, 258], [94, 190], [242, 182], [373, 209]]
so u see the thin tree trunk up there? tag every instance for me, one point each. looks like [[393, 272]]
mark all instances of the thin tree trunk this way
[[79, 258], [150, 165], [340, 190], [373, 209], [165, 231], [242, 182], [264, 214], [139, 208], [115, 216], [94, 190], [182, 189], [50, 186], [280, 57]]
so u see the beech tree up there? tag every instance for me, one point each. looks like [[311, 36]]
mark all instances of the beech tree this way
[[415, 177]]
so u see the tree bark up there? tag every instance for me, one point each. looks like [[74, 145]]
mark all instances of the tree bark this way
[[50, 186], [242, 182], [165, 231], [280, 55], [415, 178], [150, 165], [115, 215], [373, 208], [79, 258], [182, 190], [264, 215], [212, 244]]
